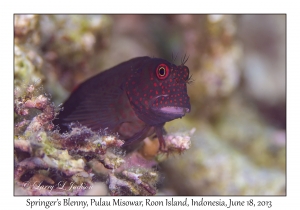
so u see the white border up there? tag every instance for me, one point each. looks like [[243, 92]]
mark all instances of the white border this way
[[153, 6]]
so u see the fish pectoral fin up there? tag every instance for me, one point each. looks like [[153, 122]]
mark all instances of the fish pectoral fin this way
[[137, 136], [95, 110]]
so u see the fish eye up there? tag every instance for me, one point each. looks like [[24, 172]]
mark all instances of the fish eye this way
[[162, 71]]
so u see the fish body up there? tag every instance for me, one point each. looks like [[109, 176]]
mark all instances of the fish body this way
[[134, 99]]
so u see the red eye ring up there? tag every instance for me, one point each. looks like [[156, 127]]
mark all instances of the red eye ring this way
[[162, 71]]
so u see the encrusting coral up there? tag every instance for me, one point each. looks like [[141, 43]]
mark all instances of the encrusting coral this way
[[50, 163], [239, 147]]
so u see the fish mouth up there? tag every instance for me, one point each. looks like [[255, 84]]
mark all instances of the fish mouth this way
[[171, 111], [174, 110]]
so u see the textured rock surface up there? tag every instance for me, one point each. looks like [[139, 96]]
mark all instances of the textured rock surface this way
[[237, 97]]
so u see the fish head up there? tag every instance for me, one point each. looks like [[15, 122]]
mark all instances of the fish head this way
[[157, 91]]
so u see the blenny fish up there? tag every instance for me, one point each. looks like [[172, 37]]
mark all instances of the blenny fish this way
[[134, 99]]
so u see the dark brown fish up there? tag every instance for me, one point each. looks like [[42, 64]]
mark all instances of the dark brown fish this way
[[134, 99]]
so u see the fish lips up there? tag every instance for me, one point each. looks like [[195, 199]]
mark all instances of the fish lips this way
[[174, 111], [170, 111]]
